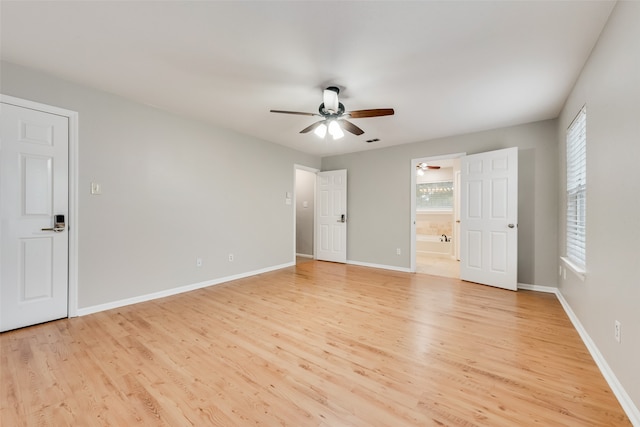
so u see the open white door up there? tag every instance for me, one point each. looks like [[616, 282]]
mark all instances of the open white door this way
[[331, 216], [34, 213], [489, 218]]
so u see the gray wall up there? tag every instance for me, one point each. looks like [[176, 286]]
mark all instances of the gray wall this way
[[173, 189], [305, 192], [610, 87], [379, 196]]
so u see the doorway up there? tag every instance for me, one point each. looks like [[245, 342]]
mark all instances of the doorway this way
[[484, 208], [304, 213], [435, 208]]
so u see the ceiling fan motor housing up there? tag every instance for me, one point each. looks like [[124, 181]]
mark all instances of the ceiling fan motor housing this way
[[327, 114], [331, 104]]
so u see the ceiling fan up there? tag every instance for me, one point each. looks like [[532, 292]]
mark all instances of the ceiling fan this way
[[422, 167], [334, 116]]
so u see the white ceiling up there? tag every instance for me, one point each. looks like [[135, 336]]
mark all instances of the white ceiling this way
[[446, 67]]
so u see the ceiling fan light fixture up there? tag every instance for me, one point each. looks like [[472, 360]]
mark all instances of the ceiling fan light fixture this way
[[321, 130], [335, 130], [421, 167]]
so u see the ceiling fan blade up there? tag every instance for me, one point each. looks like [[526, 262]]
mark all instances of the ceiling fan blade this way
[[295, 112], [350, 127], [377, 112], [312, 127]]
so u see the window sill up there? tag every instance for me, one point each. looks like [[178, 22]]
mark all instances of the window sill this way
[[578, 271]]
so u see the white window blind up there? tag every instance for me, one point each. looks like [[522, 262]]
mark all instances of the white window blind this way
[[577, 189]]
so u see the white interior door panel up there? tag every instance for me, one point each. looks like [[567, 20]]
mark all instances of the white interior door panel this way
[[489, 218]]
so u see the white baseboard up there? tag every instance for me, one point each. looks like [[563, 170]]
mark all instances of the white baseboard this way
[[538, 288], [174, 291], [305, 256], [382, 266], [625, 400]]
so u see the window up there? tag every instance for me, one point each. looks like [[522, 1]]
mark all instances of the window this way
[[577, 190]]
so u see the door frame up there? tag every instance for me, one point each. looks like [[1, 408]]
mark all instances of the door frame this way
[[414, 164], [314, 171], [72, 220]]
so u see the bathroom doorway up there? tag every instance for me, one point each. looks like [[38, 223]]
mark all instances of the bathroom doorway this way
[[304, 213], [436, 215]]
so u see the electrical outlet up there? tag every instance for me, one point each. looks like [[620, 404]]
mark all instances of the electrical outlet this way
[[96, 188], [617, 331], [230, 257], [198, 262], [398, 252], [560, 271], [564, 273]]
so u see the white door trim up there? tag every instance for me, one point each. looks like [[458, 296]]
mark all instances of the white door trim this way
[[72, 221], [315, 172], [414, 164]]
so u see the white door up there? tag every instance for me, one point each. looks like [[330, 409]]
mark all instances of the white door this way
[[331, 216], [489, 218], [33, 212]]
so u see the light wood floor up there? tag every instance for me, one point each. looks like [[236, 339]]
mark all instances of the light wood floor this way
[[437, 265], [319, 344]]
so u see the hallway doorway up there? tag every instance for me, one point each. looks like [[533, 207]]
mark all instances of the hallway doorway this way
[[304, 213]]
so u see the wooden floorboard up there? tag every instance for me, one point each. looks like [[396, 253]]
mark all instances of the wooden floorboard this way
[[319, 344]]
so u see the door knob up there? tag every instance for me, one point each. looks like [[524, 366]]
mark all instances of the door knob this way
[[343, 218], [54, 229], [511, 225], [58, 224]]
